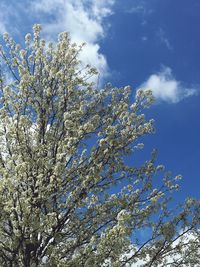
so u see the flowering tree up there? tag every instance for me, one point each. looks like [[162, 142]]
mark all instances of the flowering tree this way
[[67, 195]]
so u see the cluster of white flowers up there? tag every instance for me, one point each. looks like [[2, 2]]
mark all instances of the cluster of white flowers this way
[[63, 148]]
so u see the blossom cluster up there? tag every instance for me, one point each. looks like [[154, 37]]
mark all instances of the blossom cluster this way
[[67, 195]]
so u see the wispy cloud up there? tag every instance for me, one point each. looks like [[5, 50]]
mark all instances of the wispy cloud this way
[[140, 7], [83, 19], [166, 88], [144, 38], [137, 9], [3, 17], [2, 26], [163, 39]]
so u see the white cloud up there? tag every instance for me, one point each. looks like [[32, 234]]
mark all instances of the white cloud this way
[[166, 88], [181, 258], [84, 19]]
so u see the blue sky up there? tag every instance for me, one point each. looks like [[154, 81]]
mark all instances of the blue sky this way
[[148, 43]]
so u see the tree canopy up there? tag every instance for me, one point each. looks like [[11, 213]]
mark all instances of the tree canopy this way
[[68, 196]]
